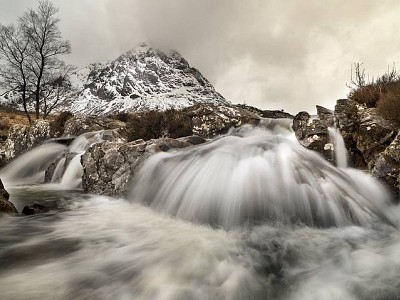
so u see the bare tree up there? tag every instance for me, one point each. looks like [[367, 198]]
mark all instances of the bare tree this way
[[45, 44], [13, 69], [56, 88]]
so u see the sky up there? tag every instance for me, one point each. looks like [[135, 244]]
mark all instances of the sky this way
[[272, 54]]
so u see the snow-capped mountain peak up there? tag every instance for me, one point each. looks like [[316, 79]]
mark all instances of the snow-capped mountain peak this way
[[141, 79]]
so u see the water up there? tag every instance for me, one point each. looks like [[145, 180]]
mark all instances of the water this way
[[256, 175], [95, 247], [30, 168], [339, 147]]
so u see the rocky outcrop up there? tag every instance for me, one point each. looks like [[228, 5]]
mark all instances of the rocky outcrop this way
[[365, 132], [387, 166], [78, 125], [23, 138], [110, 166], [205, 120], [273, 114], [313, 132], [5, 205], [373, 143], [209, 120]]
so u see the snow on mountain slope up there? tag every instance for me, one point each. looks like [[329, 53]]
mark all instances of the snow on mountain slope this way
[[141, 79]]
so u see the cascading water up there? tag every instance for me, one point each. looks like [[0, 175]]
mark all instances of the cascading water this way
[[256, 176], [339, 147], [248, 186], [30, 167]]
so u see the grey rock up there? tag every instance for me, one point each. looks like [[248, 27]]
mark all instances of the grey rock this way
[[78, 125], [313, 133], [109, 167], [23, 138], [34, 209], [5, 205]]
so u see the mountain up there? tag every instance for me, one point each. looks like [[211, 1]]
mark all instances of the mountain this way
[[141, 79]]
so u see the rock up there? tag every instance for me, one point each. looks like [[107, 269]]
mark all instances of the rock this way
[[313, 133], [348, 121], [193, 139], [5, 205], [110, 166], [209, 121], [387, 166], [273, 114], [34, 209], [78, 125], [23, 138], [373, 136]]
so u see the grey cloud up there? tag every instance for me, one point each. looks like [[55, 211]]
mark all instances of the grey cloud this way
[[273, 54]]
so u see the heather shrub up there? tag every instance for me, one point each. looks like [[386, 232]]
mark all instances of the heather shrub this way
[[4, 124], [57, 125], [389, 103], [146, 126], [155, 124], [367, 95], [178, 123], [368, 92]]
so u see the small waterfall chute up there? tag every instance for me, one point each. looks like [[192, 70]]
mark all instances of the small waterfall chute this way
[[339, 147]]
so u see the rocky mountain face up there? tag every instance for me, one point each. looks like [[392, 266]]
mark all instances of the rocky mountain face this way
[[141, 79]]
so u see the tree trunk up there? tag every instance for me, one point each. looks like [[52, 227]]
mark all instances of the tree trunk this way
[[25, 108]]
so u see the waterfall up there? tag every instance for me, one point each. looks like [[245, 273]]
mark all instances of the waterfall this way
[[30, 167], [339, 147], [253, 176]]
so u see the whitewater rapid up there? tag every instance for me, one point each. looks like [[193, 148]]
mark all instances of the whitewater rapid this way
[[250, 215]]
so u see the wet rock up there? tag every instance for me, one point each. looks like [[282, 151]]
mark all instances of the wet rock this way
[[34, 209], [166, 144], [78, 125], [387, 166], [5, 205], [348, 121], [110, 166], [23, 138], [374, 135], [193, 139], [313, 133]]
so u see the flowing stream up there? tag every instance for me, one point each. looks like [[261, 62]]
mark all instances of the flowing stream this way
[[250, 215]]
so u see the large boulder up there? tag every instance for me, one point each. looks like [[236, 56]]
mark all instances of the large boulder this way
[[5, 205], [272, 114], [374, 135], [110, 166], [23, 138], [209, 120], [366, 133], [313, 132], [387, 166], [78, 125]]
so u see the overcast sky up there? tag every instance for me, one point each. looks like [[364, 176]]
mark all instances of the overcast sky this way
[[272, 54]]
